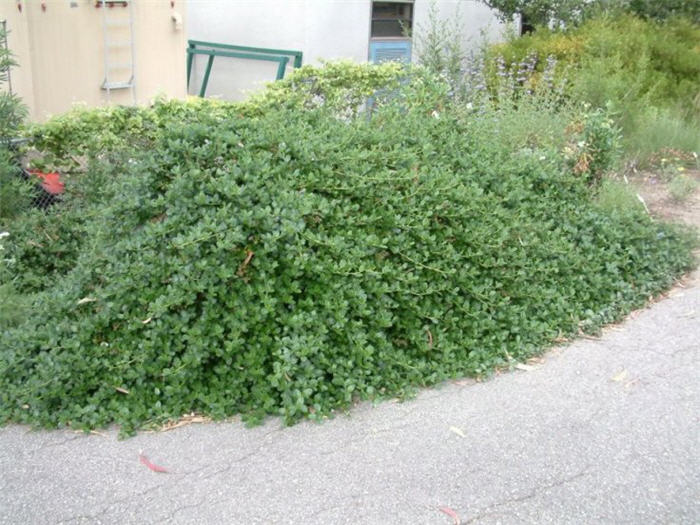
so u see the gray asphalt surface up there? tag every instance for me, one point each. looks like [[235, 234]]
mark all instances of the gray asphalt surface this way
[[601, 431]]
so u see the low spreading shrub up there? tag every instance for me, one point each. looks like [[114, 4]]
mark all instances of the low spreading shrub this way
[[291, 259]]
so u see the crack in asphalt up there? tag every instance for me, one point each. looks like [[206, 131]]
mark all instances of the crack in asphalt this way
[[488, 511], [54, 444], [108, 507], [240, 459], [368, 435], [181, 508]]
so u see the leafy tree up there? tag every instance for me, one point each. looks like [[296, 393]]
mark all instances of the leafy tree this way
[[572, 12], [539, 12], [666, 9]]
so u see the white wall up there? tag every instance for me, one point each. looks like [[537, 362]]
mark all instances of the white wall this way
[[476, 20], [322, 29]]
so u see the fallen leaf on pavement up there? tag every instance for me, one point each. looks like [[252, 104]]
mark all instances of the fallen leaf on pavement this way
[[452, 514], [525, 368], [155, 468], [457, 431], [619, 377]]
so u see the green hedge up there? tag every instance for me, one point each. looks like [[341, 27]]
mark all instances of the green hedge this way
[[291, 261]]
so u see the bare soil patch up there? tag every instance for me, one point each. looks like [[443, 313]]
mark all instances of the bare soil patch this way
[[653, 187]]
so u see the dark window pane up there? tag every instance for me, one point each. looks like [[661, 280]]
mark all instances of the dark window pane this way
[[388, 28], [391, 19]]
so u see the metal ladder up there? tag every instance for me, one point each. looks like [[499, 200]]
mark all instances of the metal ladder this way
[[118, 34]]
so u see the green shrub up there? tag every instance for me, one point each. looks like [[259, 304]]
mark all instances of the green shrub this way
[[342, 87], [663, 10], [654, 131], [647, 72], [618, 198], [682, 186], [594, 149], [14, 193], [620, 58], [71, 140], [292, 261]]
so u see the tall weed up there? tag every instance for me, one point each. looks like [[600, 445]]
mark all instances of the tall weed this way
[[646, 72]]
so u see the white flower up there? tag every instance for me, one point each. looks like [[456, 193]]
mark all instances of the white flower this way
[[4, 234]]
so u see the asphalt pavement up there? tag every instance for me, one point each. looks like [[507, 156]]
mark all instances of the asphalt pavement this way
[[599, 431]]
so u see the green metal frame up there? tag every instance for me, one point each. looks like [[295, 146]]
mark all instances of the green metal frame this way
[[281, 56], [298, 55]]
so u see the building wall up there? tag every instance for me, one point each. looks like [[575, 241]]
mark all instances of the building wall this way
[[331, 29], [322, 29], [60, 52], [475, 19]]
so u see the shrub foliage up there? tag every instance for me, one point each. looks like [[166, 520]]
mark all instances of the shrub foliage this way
[[622, 58], [290, 259], [646, 71]]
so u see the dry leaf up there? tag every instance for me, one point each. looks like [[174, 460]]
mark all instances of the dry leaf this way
[[452, 514], [155, 468], [525, 368], [190, 419], [620, 376], [457, 431], [146, 321], [121, 390], [641, 199], [87, 300], [241, 269]]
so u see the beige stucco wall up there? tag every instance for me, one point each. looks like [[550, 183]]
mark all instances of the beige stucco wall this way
[[60, 51]]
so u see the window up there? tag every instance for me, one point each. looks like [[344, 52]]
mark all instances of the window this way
[[391, 19]]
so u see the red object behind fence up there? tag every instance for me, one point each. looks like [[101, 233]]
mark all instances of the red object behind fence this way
[[51, 182]]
